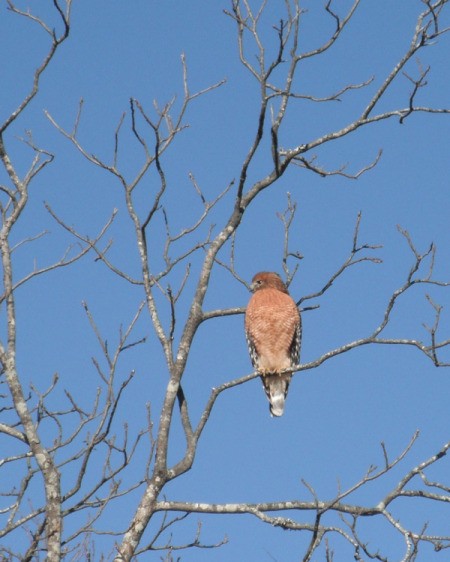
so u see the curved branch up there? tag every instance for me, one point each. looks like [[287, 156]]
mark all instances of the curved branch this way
[[56, 42]]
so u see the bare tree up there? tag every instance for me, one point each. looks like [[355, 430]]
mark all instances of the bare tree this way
[[43, 438]]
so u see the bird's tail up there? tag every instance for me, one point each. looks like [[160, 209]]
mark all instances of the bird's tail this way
[[276, 387]]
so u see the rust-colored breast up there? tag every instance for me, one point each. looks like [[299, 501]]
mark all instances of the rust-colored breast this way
[[272, 324]]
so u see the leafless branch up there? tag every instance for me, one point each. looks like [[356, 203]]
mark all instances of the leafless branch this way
[[92, 244], [310, 164], [56, 41], [287, 218], [353, 259], [336, 96], [321, 508]]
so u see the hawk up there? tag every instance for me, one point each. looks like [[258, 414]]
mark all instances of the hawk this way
[[273, 332]]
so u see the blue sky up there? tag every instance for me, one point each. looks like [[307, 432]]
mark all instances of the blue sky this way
[[336, 415]]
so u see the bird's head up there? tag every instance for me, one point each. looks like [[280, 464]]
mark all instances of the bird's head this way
[[266, 280]]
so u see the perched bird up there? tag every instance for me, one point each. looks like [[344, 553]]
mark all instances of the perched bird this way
[[273, 332]]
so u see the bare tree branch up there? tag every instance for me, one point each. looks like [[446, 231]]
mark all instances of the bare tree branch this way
[[56, 42]]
